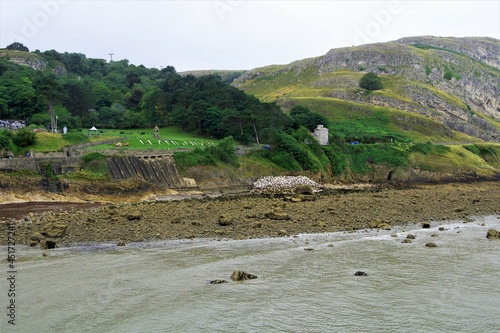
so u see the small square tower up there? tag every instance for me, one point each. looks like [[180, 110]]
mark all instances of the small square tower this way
[[321, 134]]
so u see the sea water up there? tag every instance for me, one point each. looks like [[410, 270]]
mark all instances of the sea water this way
[[305, 283]]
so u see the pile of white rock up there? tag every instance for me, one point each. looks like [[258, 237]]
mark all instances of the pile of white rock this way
[[283, 184]]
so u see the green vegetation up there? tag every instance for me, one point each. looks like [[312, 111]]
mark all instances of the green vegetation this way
[[224, 151], [116, 95], [201, 116], [370, 81]]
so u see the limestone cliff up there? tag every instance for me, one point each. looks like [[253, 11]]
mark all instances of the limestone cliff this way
[[454, 81]]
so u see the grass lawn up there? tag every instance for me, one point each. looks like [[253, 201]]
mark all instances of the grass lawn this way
[[169, 138]]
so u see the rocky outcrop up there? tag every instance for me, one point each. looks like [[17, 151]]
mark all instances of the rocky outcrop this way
[[277, 214], [54, 229], [493, 234], [225, 220], [241, 276]]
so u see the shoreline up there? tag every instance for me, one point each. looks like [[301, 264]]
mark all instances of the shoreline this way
[[257, 216]]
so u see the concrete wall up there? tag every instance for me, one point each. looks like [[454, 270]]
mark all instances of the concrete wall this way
[[161, 170]]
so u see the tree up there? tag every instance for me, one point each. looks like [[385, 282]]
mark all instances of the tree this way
[[47, 85], [18, 47], [370, 81]]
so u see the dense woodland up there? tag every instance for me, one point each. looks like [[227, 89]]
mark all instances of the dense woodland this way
[[84, 92]]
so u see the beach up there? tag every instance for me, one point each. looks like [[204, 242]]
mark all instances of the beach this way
[[257, 216]]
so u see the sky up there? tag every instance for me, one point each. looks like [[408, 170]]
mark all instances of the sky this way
[[232, 34]]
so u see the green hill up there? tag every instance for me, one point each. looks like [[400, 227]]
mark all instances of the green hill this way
[[438, 89]]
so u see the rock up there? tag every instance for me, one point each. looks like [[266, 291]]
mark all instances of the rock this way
[[134, 216], [441, 229], [256, 225], [121, 243], [493, 234], [240, 276], [406, 241], [384, 226], [54, 230], [36, 237], [225, 220], [410, 236], [308, 249], [277, 214], [360, 273], [47, 244], [217, 281], [431, 245], [304, 189], [426, 225]]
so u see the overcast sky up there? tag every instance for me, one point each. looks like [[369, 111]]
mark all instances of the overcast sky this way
[[232, 34]]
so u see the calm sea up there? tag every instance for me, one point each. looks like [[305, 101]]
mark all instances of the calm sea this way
[[162, 286]]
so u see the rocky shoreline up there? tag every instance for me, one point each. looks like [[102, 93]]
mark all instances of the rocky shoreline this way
[[258, 215]]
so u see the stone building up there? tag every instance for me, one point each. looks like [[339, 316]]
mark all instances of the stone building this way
[[321, 134]]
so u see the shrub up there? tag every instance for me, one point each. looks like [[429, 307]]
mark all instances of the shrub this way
[[4, 142], [370, 81], [24, 137]]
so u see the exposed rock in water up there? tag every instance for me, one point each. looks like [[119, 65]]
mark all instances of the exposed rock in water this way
[[426, 225], [217, 281], [493, 234], [431, 245], [360, 273], [240, 276], [121, 243], [384, 226]]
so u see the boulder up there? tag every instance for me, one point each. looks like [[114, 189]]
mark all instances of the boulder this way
[[406, 241], [120, 243], [47, 244], [54, 230], [241, 276], [134, 216], [360, 273], [304, 189], [410, 236], [493, 234], [426, 225], [225, 220], [384, 226], [36, 237], [378, 223], [217, 281], [431, 245], [277, 214]]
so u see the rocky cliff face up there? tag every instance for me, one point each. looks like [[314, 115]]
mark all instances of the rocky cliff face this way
[[455, 81]]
